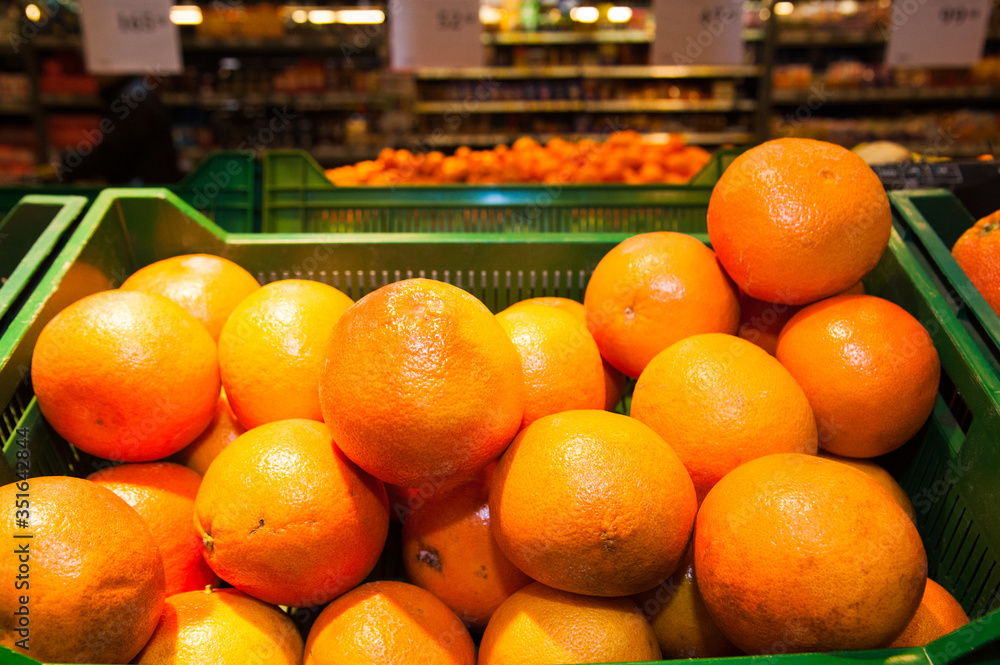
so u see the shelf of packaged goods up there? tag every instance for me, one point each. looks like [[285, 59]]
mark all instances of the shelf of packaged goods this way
[[518, 38], [819, 94], [581, 106], [494, 139], [807, 37], [320, 101], [589, 72], [294, 43]]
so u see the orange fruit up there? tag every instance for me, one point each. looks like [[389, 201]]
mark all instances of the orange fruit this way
[[286, 517], [163, 495], [421, 384], [389, 622], [869, 369], [677, 613], [271, 350], [539, 624], [90, 571], [798, 553], [977, 251], [126, 375], [653, 290], [404, 500], [881, 476], [796, 220], [561, 363], [221, 431], [208, 287], [222, 626], [720, 401], [592, 502], [449, 549], [939, 614]]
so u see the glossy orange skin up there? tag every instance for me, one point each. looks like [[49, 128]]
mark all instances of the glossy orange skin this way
[[881, 476], [285, 517], [977, 251], [720, 401], [95, 576], [163, 495], [592, 502], [869, 369], [797, 220], [799, 553], [421, 384], [939, 614], [213, 626], [271, 350], [655, 289], [126, 375], [221, 431], [392, 623], [539, 624], [208, 287]]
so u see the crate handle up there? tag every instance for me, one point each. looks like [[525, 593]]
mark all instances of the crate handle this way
[[979, 635]]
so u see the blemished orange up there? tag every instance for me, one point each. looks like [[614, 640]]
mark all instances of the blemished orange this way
[[221, 431], [421, 384], [126, 375], [449, 549], [561, 363], [677, 613], [797, 220], [91, 571], [285, 517], [799, 553], [881, 476], [215, 626], [869, 369], [207, 287], [163, 495], [720, 401], [977, 251], [392, 623], [592, 502], [939, 614], [542, 625], [271, 350], [655, 289]]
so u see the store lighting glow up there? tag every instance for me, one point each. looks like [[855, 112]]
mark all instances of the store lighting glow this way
[[361, 16], [584, 14], [185, 15], [322, 16], [33, 12], [620, 14], [783, 8], [489, 15], [847, 7], [300, 16]]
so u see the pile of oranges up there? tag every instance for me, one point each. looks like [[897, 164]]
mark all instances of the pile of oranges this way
[[624, 157], [263, 439]]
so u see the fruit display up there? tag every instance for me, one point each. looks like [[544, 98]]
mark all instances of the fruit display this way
[[417, 476], [978, 253]]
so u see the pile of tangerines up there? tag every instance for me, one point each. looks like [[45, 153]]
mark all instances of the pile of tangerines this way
[[624, 157], [269, 435]]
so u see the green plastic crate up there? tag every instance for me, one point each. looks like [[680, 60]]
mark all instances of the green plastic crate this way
[[298, 197], [949, 469], [223, 187]]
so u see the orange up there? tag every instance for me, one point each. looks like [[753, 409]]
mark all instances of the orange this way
[[271, 350], [682, 624], [221, 431], [614, 381], [286, 517], [421, 384], [542, 625], [389, 622], [939, 614], [720, 401], [978, 253], [561, 363], [214, 626], [126, 375], [798, 553], [869, 369], [403, 501], [449, 549], [796, 220], [882, 477], [163, 495], [208, 287], [653, 290], [90, 571], [592, 502]]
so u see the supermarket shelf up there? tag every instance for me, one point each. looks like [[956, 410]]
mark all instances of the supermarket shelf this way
[[15, 108], [54, 101], [589, 72], [302, 101], [490, 140], [323, 42], [826, 37], [566, 37], [883, 95], [581, 106], [57, 42]]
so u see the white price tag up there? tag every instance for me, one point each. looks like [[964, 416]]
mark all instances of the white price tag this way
[[129, 37], [936, 33], [698, 32], [435, 33]]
